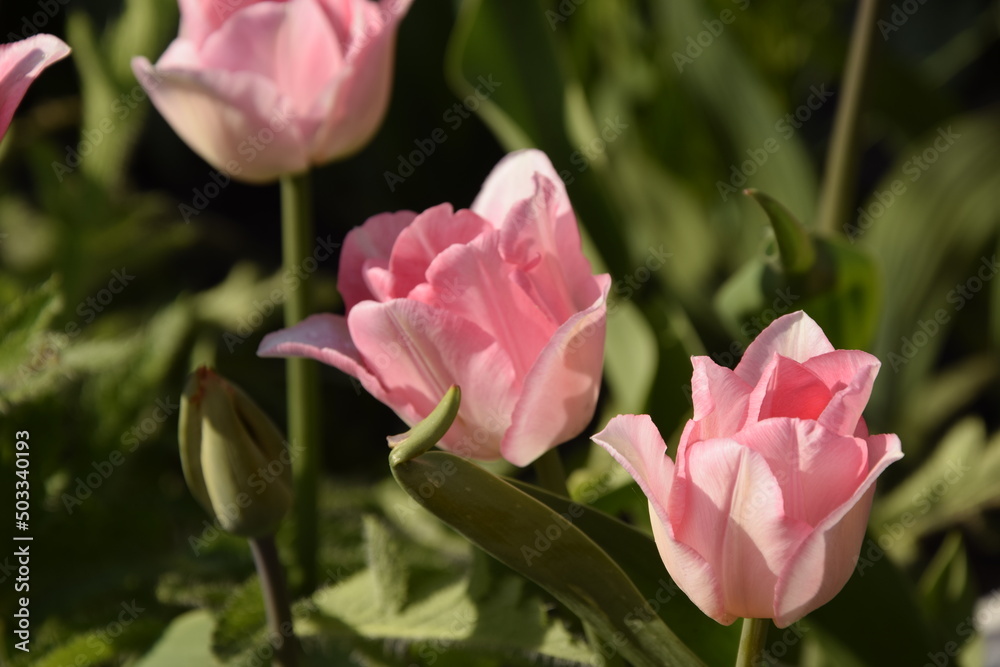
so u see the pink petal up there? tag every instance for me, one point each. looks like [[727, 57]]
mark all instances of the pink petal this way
[[691, 572], [236, 121], [471, 281], [787, 389], [324, 338], [367, 246], [569, 370], [357, 104], [729, 509], [719, 397], [20, 64], [544, 246], [417, 352], [200, 18], [850, 374], [431, 233], [825, 561], [291, 43], [817, 469], [795, 336], [635, 442], [512, 181]]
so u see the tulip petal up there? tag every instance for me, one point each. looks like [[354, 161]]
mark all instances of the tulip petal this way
[[692, 573], [367, 246], [816, 469], [431, 233], [200, 18], [560, 391], [360, 99], [512, 181], [795, 336], [636, 443], [850, 374], [419, 351], [472, 281], [787, 389], [326, 339], [824, 562], [236, 121], [729, 509], [719, 397], [20, 64]]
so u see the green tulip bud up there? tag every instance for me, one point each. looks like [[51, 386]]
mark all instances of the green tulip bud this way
[[234, 458]]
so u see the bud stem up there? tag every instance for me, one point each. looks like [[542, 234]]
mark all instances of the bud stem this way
[[303, 389], [840, 169], [752, 641], [279, 612]]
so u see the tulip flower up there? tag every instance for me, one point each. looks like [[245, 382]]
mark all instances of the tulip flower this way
[[262, 88], [498, 299], [20, 64], [233, 456], [763, 513]]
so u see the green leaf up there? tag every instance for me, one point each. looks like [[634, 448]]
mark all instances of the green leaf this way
[[186, 641], [797, 252], [384, 558], [546, 547]]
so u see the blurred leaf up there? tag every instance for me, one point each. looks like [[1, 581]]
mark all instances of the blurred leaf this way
[[532, 539], [947, 589], [384, 559], [795, 246], [185, 642], [241, 623], [630, 358]]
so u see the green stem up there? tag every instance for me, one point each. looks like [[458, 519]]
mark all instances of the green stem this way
[[550, 472], [303, 390], [841, 161], [279, 612], [752, 641]]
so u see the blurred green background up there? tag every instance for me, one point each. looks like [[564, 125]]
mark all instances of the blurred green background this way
[[657, 113]]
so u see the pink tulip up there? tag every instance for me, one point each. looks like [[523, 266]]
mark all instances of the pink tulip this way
[[764, 511], [20, 64], [498, 299], [261, 88]]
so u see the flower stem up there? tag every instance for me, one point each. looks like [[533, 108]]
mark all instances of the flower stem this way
[[841, 161], [302, 381], [550, 472], [279, 612], [752, 640]]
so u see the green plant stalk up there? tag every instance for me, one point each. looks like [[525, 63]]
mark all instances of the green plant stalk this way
[[752, 640], [841, 161], [275, 592], [550, 472], [302, 381]]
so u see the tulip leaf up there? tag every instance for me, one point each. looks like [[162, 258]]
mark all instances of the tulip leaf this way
[[186, 641], [636, 554], [796, 248], [548, 548]]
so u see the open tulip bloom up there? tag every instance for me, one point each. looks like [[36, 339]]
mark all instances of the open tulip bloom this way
[[20, 64], [262, 88], [498, 299], [763, 512]]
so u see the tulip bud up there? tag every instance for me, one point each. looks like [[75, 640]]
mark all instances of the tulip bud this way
[[234, 457]]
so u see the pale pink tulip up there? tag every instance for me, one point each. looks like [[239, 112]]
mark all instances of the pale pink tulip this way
[[764, 511], [261, 88], [20, 64], [498, 299]]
